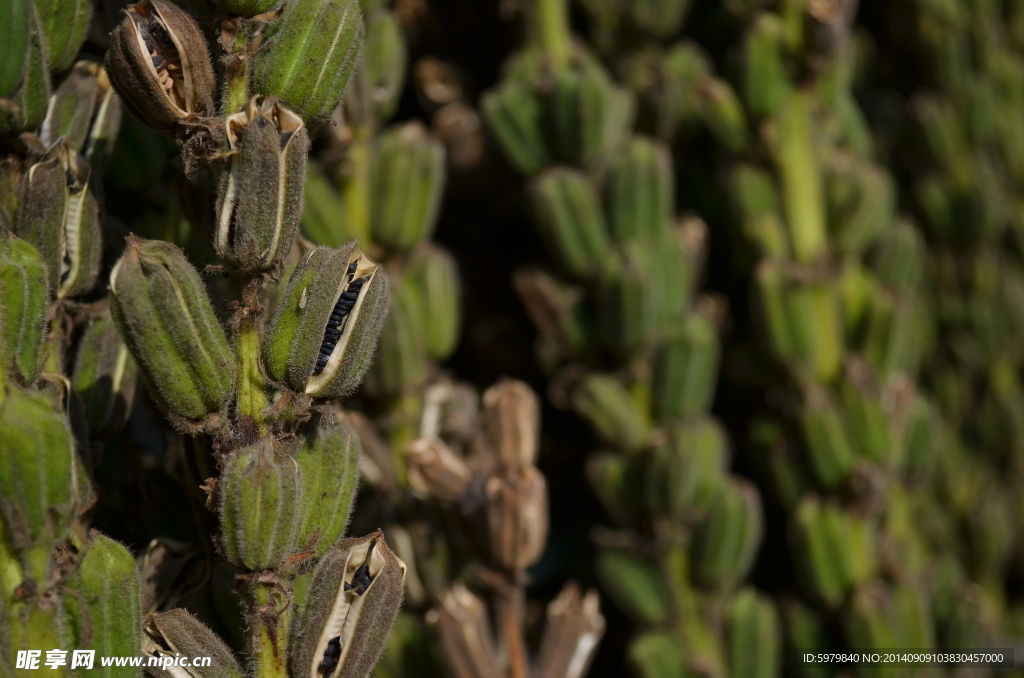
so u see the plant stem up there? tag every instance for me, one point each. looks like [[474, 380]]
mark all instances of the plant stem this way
[[236, 87], [510, 614], [252, 390], [553, 30], [271, 626]]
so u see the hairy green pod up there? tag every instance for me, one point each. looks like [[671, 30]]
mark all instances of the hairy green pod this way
[[634, 586], [297, 349], [81, 238], [619, 485], [165, 318], [23, 288], [609, 407], [14, 41], [433, 276], [308, 54], [159, 63], [177, 633], [587, 116], [758, 211], [816, 318], [835, 550], [915, 621], [407, 185], [826, 439], [870, 620], [259, 494], [328, 459], [723, 113], [628, 304], [774, 310], [725, 543], [260, 195], [753, 635], [39, 471], [384, 65], [803, 629], [686, 475], [867, 419], [516, 118], [25, 106], [104, 377], [323, 217], [402, 362], [641, 191], [686, 370], [354, 599], [71, 106], [104, 602], [42, 208], [64, 23], [571, 220], [687, 66]]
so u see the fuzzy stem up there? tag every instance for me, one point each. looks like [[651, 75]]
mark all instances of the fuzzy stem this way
[[271, 624], [236, 87], [253, 398], [510, 614], [553, 30]]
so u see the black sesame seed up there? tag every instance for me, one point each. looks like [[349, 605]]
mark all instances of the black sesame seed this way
[[351, 268]]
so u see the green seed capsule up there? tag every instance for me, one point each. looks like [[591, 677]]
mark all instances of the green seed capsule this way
[[23, 288], [725, 544], [71, 106], [260, 197], [571, 220], [14, 38], [628, 306], [609, 407], [641, 185], [826, 439], [516, 117], [64, 23], [634, 585], [587, 116], [661, 18], [104, 607], [159, 63], [686, 370], [753, 636], [407, 184], [104, 377], [177, 633], [686, 474], [433, 278], [42, 208], [385, 62], [161, 308], [324, 332], [308, 54], [353, 602], [245, 7], [328, 459], [39, 471], [25, 106], [766, 81], [259, 494], [402, 362]]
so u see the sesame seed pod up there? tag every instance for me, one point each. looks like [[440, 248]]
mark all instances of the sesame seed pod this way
[[64, 23], [155, 36], [259, 492], [39, 471], [386, 57], [81, 238], [42, 207], [516, 118], [105, 376], [828, 447], [640, 199], [105, 126], [686, 370], [71, 107], [26, 106], [23, 288], [753, 635], [462, 625], [296, 334], [573, 627], [634, 584], [686, 475], [104, 605], [402, 363], [309, 53], [724, 545], [177, 633], [407, 184], [354, 598], [260, 196], [571, 220], [609, 407], [433, 277], [165, 317], [245, 7], [14, 36], [328, 460], [588, 116], [628, 303]]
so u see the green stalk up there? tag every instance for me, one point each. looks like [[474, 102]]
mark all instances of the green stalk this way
[[553, 30], [801, 179], [271, 625], [252, 388], [236, 87]]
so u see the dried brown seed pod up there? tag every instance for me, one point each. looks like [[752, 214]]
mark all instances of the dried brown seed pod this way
[[160, 65]]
